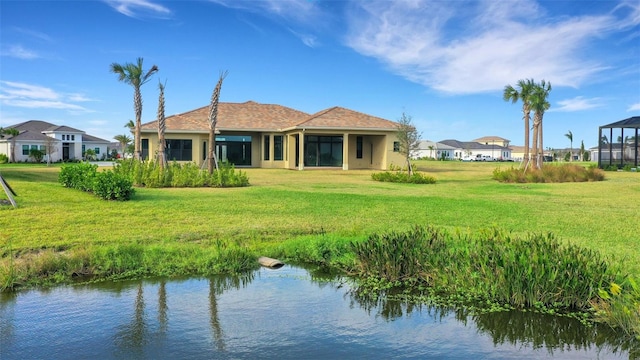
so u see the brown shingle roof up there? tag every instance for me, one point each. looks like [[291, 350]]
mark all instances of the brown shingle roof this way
[[339, 117], [249, 115]]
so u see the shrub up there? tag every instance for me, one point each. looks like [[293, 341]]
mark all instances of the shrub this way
[[36, 155], [149, 174], [400, 175], [78, 176], [549, 174], [4, 159], [107, 185], [111, 186]]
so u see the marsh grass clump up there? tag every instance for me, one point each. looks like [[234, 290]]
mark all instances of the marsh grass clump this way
[[535, 271], [549, 174], [151, 175]]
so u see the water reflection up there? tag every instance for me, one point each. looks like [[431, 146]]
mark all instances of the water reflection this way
[[289, 313], [556, 334]]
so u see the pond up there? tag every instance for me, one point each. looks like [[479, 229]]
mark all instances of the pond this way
[[288, 313]]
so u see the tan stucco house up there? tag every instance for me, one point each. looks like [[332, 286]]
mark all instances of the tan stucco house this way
[[258, 135]]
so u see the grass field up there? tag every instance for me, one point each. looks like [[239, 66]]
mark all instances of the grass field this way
[[283, 205]]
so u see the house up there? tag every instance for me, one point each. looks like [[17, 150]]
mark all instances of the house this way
[[58, 142], [493, 140], [473, 148], [259, 135], [435, 150]]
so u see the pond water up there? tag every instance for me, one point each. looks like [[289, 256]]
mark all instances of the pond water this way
[[288, 313]]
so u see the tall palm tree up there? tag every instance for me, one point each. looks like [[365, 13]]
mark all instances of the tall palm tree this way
[[13, 132], [539, 104], [124, 140], [132, 74], [522, 92], [162, 158], [569, 136], [213, 121]]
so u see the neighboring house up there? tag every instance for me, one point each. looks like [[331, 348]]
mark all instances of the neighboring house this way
[[613, 154], [431, 149], [493, 140], [628, 145], [69, 143], [473, 148], [274, 136]]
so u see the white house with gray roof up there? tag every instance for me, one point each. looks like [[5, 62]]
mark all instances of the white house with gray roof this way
[[67, 143], [435, 150], [473, 148]]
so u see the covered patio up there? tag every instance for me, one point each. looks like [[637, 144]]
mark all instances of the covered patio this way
[[618, 143]]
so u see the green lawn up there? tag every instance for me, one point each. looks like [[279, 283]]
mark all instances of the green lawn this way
[[283, 204]]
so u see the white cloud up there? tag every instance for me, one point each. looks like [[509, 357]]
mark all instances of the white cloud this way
[[471, 47], [20, 52], [34, 33], [17, 94], [634, 107], [138, 8], [578, 103]]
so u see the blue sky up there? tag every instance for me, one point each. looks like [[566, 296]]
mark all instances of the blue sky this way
[[444, 63]]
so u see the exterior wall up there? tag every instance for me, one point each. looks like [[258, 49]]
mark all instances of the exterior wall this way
[[377, 148], [5, 148], [102, 149]]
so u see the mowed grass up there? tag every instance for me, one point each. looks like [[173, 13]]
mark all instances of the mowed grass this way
[[282, 205]]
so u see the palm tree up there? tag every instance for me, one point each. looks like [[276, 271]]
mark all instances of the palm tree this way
[[133, 75], [162, 159], [523, 93], [124, 140], [13, 132], [569, 136], [213, 121], [130, 125], [539, 104], [431, 151]]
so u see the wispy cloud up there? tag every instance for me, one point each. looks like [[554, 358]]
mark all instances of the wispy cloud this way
[[33, 33], [17, 94], [139, 8], [578, 103], [634, 107], [294, 10], [20, 52], [307, 39], [476, 46], [300, 13]]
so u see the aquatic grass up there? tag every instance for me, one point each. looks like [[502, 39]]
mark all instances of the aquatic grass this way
[[619, 306], [533, 271]]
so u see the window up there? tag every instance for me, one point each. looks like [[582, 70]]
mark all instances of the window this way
[[323, 150], [73, 137], [359, 147], [396, 146], [277, 147], [266, 147], [97, 150], [43, 149], [83, 148], [25, 149], [179, 150]]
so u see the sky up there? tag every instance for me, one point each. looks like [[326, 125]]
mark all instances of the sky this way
[[444, 63]]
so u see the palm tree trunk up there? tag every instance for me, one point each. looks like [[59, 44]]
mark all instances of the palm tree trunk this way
[[162, 159], [137, 102], [535, 143], [525, 160], [541, 145]]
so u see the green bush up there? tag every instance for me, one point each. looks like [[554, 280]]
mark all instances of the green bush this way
[[78, 176], [111, 186], [36, 155], [107, 185], [403, 177], [4, 159]]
